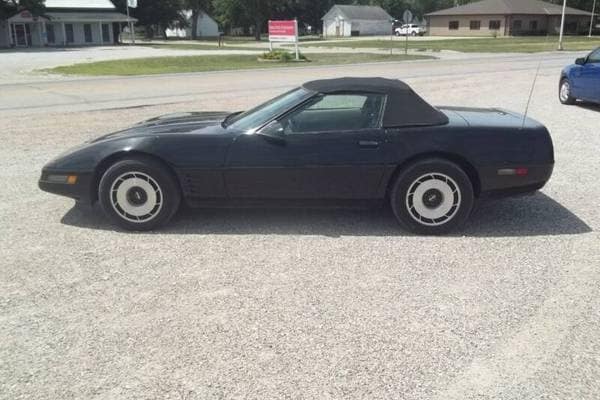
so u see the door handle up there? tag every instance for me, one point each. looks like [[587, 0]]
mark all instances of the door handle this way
[[368, 144]]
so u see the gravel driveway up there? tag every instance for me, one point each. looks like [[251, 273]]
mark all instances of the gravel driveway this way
[[269, 304]]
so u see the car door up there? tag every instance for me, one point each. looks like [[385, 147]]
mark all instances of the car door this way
[[331, 147], [589, 77]]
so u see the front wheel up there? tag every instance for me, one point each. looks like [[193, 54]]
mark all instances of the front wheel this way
[[139, 194], [414, 34], [565, 92], [432, 197]]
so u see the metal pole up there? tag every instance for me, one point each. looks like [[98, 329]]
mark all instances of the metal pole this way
[[406, 43], [592, 19], [131, 34], [562, 26], [297, 50], [392, 40]]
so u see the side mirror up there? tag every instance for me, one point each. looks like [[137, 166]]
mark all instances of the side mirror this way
[[274, 131], [581, 61]]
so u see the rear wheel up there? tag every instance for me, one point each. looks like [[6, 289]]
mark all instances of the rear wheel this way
[[565, 92], [139, 194], [432, 197], [414, 33]]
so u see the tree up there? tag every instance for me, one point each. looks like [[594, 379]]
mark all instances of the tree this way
[[255, 13], [246, 13], [197, 6], [160, 13], [10, 7]]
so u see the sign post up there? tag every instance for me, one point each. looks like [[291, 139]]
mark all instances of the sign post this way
[[392, 36], [592, 19], [562, 26], [284, 31], [131, 4], [407, 18]]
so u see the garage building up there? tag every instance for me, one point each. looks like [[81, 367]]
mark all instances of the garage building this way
[[506, 18], [65, 23], [344, 20]]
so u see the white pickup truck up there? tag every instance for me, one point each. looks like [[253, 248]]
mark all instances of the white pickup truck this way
[[410, 29]]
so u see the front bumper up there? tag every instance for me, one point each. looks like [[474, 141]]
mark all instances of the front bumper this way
[[81, 190]]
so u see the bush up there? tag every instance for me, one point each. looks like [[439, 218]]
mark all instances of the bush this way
[[281, 55]]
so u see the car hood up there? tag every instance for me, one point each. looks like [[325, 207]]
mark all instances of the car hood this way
[[192, 122]]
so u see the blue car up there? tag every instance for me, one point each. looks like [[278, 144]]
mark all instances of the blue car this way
[[581, 81]]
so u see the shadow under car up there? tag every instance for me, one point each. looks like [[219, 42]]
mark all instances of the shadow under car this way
[[535, 215]]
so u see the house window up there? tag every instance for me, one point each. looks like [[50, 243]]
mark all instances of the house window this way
[[494, 25], [533, 26], [517, 25], [50, 33], [453, 25], [87, 31], [69, 32], [475, 25], [105, 33]]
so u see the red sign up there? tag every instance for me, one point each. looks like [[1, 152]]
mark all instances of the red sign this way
[[283, 31]]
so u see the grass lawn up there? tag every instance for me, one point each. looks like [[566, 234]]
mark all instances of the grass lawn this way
[[168, 65], [487, 45]]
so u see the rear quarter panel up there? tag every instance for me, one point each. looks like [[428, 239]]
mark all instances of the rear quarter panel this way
[[483, 143]]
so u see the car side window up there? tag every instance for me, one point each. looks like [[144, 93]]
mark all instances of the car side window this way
[[594, 58], [336, 112]]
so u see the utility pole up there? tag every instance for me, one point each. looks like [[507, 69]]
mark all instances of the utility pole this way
[[562, 26], [132, 4], [592, 20]]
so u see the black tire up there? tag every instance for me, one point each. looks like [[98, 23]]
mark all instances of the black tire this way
[[397, 33], [133, 186], [428, 188], [415, 34], [567, 99]]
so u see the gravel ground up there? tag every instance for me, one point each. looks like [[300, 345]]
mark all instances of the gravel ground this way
[[300, 304]]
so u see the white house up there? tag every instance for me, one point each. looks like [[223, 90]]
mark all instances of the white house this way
[[344, 20], [206, 27], [65, 23]]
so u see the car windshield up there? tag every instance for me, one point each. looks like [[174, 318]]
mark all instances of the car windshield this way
[[258, 116]]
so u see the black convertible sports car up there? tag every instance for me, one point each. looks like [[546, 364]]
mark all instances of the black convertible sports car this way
[[329, 142]]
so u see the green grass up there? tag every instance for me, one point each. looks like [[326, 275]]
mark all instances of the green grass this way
[[486, 45], [200, 46], [168, 65]]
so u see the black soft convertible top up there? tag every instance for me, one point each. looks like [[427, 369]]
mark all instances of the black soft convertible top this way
[[403, 108]]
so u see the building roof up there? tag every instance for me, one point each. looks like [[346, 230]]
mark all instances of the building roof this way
[[87, 17], [81, 4], [375, 13], [403, 106], [506, 7]]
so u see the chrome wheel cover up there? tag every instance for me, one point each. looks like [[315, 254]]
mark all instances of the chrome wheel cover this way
[[433, 199], [565, 91], [136, 197]]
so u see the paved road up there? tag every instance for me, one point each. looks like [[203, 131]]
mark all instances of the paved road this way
[[297, 304], [117, 92]]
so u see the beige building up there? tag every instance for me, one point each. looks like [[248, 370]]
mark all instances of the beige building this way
[[506, 18]]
